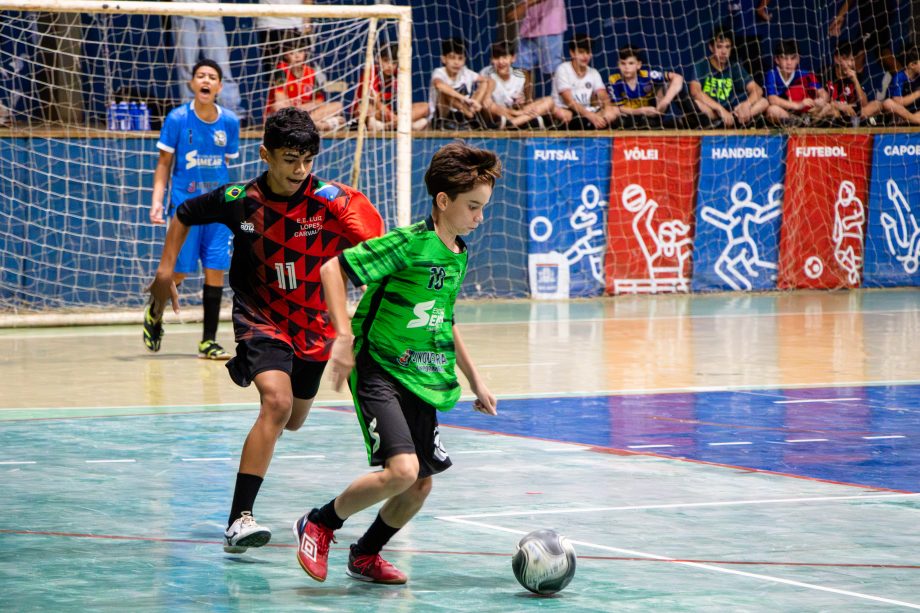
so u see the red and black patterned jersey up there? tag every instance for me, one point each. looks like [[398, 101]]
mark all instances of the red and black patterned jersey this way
[[279, 244], [842, 90]]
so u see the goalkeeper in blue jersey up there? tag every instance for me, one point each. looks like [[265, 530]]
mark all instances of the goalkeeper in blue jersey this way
[[196, 142], [398, 354]]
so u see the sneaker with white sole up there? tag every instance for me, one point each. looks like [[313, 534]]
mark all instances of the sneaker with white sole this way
[[245, 533], [211, 350]]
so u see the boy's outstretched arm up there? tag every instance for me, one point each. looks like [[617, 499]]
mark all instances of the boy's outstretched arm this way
[[335, 291], [485, 400]]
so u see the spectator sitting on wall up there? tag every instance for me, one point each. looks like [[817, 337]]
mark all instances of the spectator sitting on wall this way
[[643, 95], [296, 83], [381, 113], [722, 90], [796, 96], [510, 102], [456, 93], [845, 89], [904, 92], [579, 96]]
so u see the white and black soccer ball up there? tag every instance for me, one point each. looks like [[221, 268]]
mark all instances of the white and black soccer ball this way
[[544, 562]]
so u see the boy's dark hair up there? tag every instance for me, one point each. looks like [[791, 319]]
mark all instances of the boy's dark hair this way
[[630, 51], [845, 48], [912, 55], [786, 47], [457, 167], [209, 64], [453, 45], [580, 41], [291, 128], [389, 52], [503, 49], [721, 34], [294, 42]]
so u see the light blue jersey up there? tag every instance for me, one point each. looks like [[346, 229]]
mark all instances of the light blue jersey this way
[[200, 151]]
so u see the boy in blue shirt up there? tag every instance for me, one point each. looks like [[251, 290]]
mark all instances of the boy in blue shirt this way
[[795, 95], [198, 138], [640, 92], [904, 92]]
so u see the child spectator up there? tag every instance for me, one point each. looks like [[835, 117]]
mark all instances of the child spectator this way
[[381, 114], [640, 93], [722, 90], [579, 96], [509, 101], [846, 92], [457, 92], [904, 92], [296, 83], [795, 96]]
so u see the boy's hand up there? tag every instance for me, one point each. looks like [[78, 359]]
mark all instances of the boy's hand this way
[[341, 361], [162, 290], [807, 104], [485, 402], [851, 74], [728, 120], [597, 120], [156, 213]]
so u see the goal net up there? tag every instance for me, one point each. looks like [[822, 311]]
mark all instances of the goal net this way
[[84, 90]]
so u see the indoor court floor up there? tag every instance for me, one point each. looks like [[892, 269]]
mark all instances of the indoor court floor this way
[[743, 452]]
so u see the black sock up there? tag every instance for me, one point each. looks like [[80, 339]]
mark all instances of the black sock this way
[[244, 495], [375, 538], [326, 516], [211, 303]]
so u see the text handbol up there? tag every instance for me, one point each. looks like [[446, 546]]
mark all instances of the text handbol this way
[[737, 153]]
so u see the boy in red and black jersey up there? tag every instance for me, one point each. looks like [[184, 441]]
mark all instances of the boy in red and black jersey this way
[[286, 223], [845, 89]]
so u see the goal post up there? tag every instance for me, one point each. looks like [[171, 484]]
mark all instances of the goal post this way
[[77, 246]]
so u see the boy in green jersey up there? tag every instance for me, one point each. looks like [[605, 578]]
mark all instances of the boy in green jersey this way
[[398, 354]]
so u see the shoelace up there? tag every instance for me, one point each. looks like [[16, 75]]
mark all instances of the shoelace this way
[[246, 519], [363, 563], [325, 537]]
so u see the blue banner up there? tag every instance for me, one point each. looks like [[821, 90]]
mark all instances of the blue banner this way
[[892, 253], [567, 195], [738, 213]]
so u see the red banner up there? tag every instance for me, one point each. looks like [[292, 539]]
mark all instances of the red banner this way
[[650, 222], [824, 211]]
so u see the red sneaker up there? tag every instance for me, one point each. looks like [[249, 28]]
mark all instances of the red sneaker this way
[[313, 547], [373, 569]]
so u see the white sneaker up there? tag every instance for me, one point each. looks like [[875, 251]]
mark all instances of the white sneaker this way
[[245, 533]]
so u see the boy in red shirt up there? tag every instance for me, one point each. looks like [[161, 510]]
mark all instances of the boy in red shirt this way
[[296, 83], [381, 110]]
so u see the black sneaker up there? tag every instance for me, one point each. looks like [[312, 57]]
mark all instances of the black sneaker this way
[[153, 329]]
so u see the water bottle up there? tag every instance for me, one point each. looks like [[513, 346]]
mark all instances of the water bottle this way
[[124, 116], [135, 116], [111, 117], [145, 116]]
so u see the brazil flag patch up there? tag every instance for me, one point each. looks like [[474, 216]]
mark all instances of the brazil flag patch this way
[[234, 192]]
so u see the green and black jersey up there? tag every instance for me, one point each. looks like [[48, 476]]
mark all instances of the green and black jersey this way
[[405, 319]]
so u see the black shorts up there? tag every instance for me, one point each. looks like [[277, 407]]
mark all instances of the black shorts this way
[[394, 420], [259, 354]]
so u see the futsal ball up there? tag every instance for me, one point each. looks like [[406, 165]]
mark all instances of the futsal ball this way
[[544, 562]]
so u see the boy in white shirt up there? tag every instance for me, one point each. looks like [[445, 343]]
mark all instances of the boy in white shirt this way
[[457, 92], [579, 96], [509, 101]]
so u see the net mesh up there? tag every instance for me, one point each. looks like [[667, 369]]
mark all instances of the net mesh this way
[[74, 229]]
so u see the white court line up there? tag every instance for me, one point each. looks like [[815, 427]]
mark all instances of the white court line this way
[[730, 443], [647, 446], [126, 461], [206, 459], [476, 451], [878, 438], [681, 505], [300, 457], [810, 400], [709, 567], [18, 462], [806, 440]]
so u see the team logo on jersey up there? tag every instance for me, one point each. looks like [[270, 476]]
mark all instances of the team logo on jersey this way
[[220, 138], [425, 361]]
